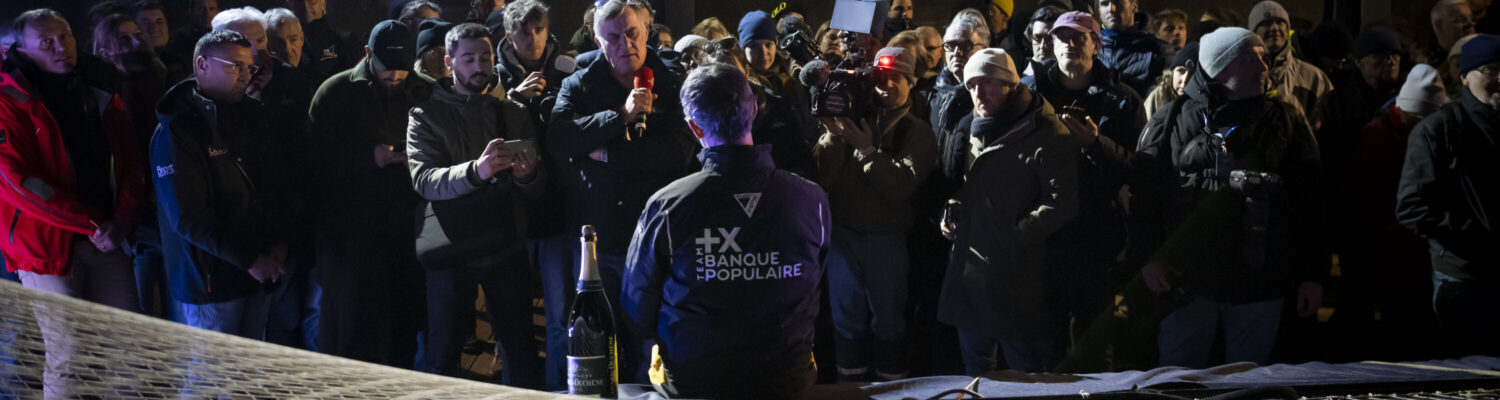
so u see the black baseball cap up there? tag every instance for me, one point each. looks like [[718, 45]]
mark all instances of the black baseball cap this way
[[391, 46]]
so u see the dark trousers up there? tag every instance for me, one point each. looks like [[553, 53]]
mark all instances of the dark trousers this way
[[507, 296], [867, 286], [1040, 354], [1468, 315], [372, 304], [151, 275], [554, 258], [634, 347]]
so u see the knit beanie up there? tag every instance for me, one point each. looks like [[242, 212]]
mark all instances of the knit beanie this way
[[992, 63], [1423, 92], [1219, 48]]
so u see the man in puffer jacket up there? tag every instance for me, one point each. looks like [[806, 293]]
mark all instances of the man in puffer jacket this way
[[1136, 54]]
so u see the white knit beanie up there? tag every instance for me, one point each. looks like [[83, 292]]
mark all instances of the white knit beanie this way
[[1219, 48], [1423, 92], [993, 63]]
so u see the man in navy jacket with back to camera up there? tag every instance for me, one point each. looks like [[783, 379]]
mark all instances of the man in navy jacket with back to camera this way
[[724, 266]]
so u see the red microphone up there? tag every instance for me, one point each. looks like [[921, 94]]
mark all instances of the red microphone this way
[[644, 79]]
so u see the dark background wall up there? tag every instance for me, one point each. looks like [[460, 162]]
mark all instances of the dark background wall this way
[[360, 15]]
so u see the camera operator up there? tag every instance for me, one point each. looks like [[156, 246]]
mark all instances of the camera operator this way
[[870, 167], [1234, 183]]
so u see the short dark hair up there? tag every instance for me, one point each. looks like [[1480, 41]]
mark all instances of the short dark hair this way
[[18, 25], [1047, 14], [463, 31], [104, 9], [218, 39], [718, 98], [517, 14], [145, 5], [410, 9]]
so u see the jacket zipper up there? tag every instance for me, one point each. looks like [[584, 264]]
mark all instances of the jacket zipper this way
[[13, 221]]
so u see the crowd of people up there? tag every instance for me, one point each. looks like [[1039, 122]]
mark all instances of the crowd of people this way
[[1077, 186]]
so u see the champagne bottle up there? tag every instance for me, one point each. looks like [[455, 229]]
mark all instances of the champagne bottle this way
[[592, 357]]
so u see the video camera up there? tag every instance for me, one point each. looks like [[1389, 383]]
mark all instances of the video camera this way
[[849, 90]]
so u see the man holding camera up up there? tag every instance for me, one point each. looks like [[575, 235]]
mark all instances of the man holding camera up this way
[[470, 233], [1234, 185], [870, 165], [600, 122]]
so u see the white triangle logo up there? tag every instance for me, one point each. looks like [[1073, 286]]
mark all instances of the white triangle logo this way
[[748, 201]]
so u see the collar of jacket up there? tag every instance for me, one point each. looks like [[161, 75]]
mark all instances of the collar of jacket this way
[[509, 60], [1486, 117], [887, 118], [93, 71], [736, 157], [1130, 38], [183, 99], [416, 71], [364, 72], [1011, 128], [1221, 112], [1101, 78]]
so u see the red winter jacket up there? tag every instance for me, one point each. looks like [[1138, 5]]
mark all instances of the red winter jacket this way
[[39, 204]]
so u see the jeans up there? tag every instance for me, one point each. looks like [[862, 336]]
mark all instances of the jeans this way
[[1033, 355], [94, 276], [867, 284], [554, 258], [1468, 316], [1248, 332], [450, 317], [244, 317]]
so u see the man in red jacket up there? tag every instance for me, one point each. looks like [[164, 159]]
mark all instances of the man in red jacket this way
[[70, 182]]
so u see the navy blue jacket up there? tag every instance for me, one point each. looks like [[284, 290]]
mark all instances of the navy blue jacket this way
[[215, 216], [587, 117], [725, 265], [1136, 54]]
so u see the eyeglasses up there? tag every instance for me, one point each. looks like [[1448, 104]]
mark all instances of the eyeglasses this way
[[236, 68], [958, 46]]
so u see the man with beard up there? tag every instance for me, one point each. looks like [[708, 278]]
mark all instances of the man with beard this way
[[471, 235], [371, 282]]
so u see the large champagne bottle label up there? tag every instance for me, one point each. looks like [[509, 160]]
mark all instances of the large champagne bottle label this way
[[592, 356]]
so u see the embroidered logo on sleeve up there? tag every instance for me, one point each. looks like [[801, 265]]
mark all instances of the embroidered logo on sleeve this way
[[163, 170]]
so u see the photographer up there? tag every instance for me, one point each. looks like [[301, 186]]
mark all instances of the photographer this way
[[1024, 189], [870, 175], [1232, 177], [1104, 117], [528, 58], [468, 178]]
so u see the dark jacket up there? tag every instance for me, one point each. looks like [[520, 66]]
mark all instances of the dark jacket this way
[[1342, 114], [787, 129], [1136, 54], [44, 207], [1209, 235], [1448, 185], [1090, 243], [329, 50], [724, 269], [587, 118], [215, 220], [872, 194], [1020, 188], [444, 139], [512, 73], [355, 200], [949, 105]]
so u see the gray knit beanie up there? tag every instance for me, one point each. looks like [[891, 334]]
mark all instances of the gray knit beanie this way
[[1267, 11], [1219, 48]]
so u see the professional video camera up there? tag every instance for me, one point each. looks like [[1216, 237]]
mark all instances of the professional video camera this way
[[849, 89], [796, 40]]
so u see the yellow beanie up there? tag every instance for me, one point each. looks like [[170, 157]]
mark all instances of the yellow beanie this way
[[1006, 5]]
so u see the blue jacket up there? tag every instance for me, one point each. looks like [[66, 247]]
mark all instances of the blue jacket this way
[[725, 264], [214, 216], [1136, 55], [587, 118]]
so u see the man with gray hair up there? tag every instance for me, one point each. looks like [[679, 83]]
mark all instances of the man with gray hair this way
[[284, 36], [600, 122], [758, 340]]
